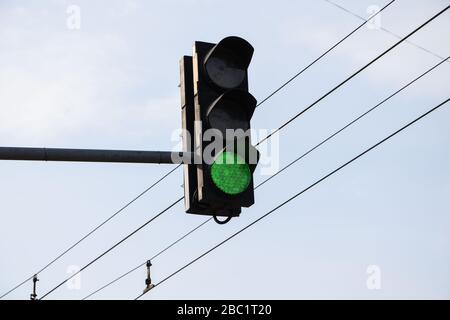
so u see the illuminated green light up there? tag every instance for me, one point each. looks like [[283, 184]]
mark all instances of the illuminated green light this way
[[230, 173]]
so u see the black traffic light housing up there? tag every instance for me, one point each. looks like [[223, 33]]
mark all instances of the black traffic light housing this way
[[214, 89]]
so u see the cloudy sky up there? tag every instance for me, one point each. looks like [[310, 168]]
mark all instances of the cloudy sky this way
[[113, 83]]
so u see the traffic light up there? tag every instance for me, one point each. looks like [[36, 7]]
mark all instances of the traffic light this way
[[216, 113]]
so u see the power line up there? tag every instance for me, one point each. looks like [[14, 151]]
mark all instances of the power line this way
[[91, 232], [293, 162], [315, 61], [114, 246], [360, 70], [281, 127], [322, 55], [356, 119], [171, 171], [385, 30], [354, 74], [152, 258], [298, 194]]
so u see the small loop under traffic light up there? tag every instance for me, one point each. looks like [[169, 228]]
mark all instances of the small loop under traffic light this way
[[222, 221]]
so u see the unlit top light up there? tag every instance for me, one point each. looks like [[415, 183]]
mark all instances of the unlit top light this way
[[225, 72], [226, 64]]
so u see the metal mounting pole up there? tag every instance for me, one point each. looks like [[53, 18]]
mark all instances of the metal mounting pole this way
[[90, 155], [34, 295], [148, 281]]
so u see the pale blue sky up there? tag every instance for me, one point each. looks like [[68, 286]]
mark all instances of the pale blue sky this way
[[113, 84]]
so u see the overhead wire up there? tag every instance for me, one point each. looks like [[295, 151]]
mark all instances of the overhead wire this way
[[297, 195], [385, 30], [277, 130], [171, 171], [87, 235], [152, 258], [113, 247], [323, 54], [292, 162], [354, 74]]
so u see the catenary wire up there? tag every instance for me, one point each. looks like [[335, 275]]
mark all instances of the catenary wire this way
[[322, 55], [291, 163], [385, 30], [91, 232], [297, 195], [171, 171], [354, 74], [114, 246], [280, 128], [152, 258], [355, 120]]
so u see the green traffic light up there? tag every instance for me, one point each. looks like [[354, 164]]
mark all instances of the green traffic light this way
[[230, 173]]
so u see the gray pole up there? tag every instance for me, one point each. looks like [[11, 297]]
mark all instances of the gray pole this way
[[86, 155]]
